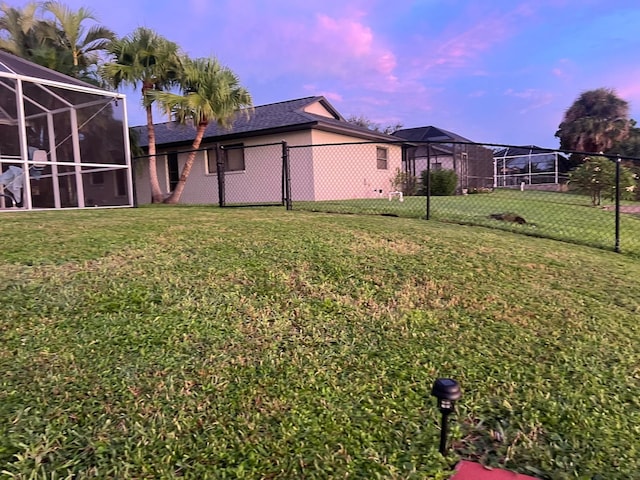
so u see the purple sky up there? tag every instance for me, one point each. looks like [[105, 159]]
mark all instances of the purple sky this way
[[501, 71]]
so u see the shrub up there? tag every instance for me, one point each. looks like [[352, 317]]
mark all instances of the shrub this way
[[443, 182], [597, 176], [404, 182]]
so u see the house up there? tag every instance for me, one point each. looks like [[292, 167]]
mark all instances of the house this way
[[329, 158], [449, 151], [528, 165], [63, 143]]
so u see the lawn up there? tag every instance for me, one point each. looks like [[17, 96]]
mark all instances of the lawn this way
[[560, 216], [200, 342]]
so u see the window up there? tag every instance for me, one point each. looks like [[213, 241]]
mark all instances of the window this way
[[121, 182], [232, 156], [173, 170], [381, 154], [436, 166], [210, 159]]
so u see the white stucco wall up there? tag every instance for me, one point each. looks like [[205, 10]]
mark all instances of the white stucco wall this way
[[323, 172], [344, 172], [260, 182]]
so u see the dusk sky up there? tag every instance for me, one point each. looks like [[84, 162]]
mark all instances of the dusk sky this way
[[501, 71]]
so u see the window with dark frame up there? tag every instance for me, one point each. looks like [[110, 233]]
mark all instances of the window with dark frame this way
[[121, 182], [210, 160], [173, 170], [233, 156], [381, 155]]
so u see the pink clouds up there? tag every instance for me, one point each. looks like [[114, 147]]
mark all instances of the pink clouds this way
[[346, 33], [344, 45], [337, 46], [466, 40]]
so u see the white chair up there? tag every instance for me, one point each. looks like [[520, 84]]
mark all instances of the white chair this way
[[39, 162]]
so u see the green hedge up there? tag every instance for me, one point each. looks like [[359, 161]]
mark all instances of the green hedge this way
[[443, 182]]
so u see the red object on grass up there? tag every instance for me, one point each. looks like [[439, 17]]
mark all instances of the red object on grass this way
[[474, 471]]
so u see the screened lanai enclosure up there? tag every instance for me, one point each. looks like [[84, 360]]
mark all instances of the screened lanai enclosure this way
[[63, 143], [520, 166]]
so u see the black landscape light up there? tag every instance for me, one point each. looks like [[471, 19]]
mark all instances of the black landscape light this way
[[447, 391]]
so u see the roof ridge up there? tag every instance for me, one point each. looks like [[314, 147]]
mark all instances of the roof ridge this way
[[255, 107], [288, 101]]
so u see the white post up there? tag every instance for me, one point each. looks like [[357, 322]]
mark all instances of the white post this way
[[24, 147], [53, 155], [77, 158], [495, 172], [127, 150]]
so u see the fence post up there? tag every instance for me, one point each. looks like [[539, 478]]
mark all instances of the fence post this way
[[286, 176], [428, 185], [220, 155], [617, 245]]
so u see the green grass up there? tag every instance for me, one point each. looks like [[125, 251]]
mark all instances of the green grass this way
[[257, 343], [559, 216]]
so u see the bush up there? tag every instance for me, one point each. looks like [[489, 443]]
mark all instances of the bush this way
[[443, 182], [404, 182], [597, 177]]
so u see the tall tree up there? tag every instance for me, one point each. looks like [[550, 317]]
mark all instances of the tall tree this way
[[17, 29], [210, 92], [85, 45], [148, 60], [595, 122], [630, 146], [362, 121], [58, 42]]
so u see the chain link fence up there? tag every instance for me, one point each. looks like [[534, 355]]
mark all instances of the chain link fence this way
[[569, 196], [577, 197]]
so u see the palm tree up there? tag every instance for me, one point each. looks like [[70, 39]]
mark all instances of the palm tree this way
[[595, 122], [24, 34], [150, 60], [17, 29], [70, 33], [211, 92]]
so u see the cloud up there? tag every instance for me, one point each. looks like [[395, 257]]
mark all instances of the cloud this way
[[564, 69], [339, 45], [535, 98], [465, 41], [329, 95]]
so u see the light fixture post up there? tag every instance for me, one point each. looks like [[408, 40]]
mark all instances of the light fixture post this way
[[447, 391]]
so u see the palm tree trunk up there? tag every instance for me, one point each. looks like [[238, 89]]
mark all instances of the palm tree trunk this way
[[186, 170], [156, 193]]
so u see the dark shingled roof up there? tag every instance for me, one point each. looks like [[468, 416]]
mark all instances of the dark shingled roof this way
[[520, 151], [429, 134], [265, 119]]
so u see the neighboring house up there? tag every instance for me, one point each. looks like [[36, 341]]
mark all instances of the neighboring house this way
[[330, 158], [530, 165], [472, 163]]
